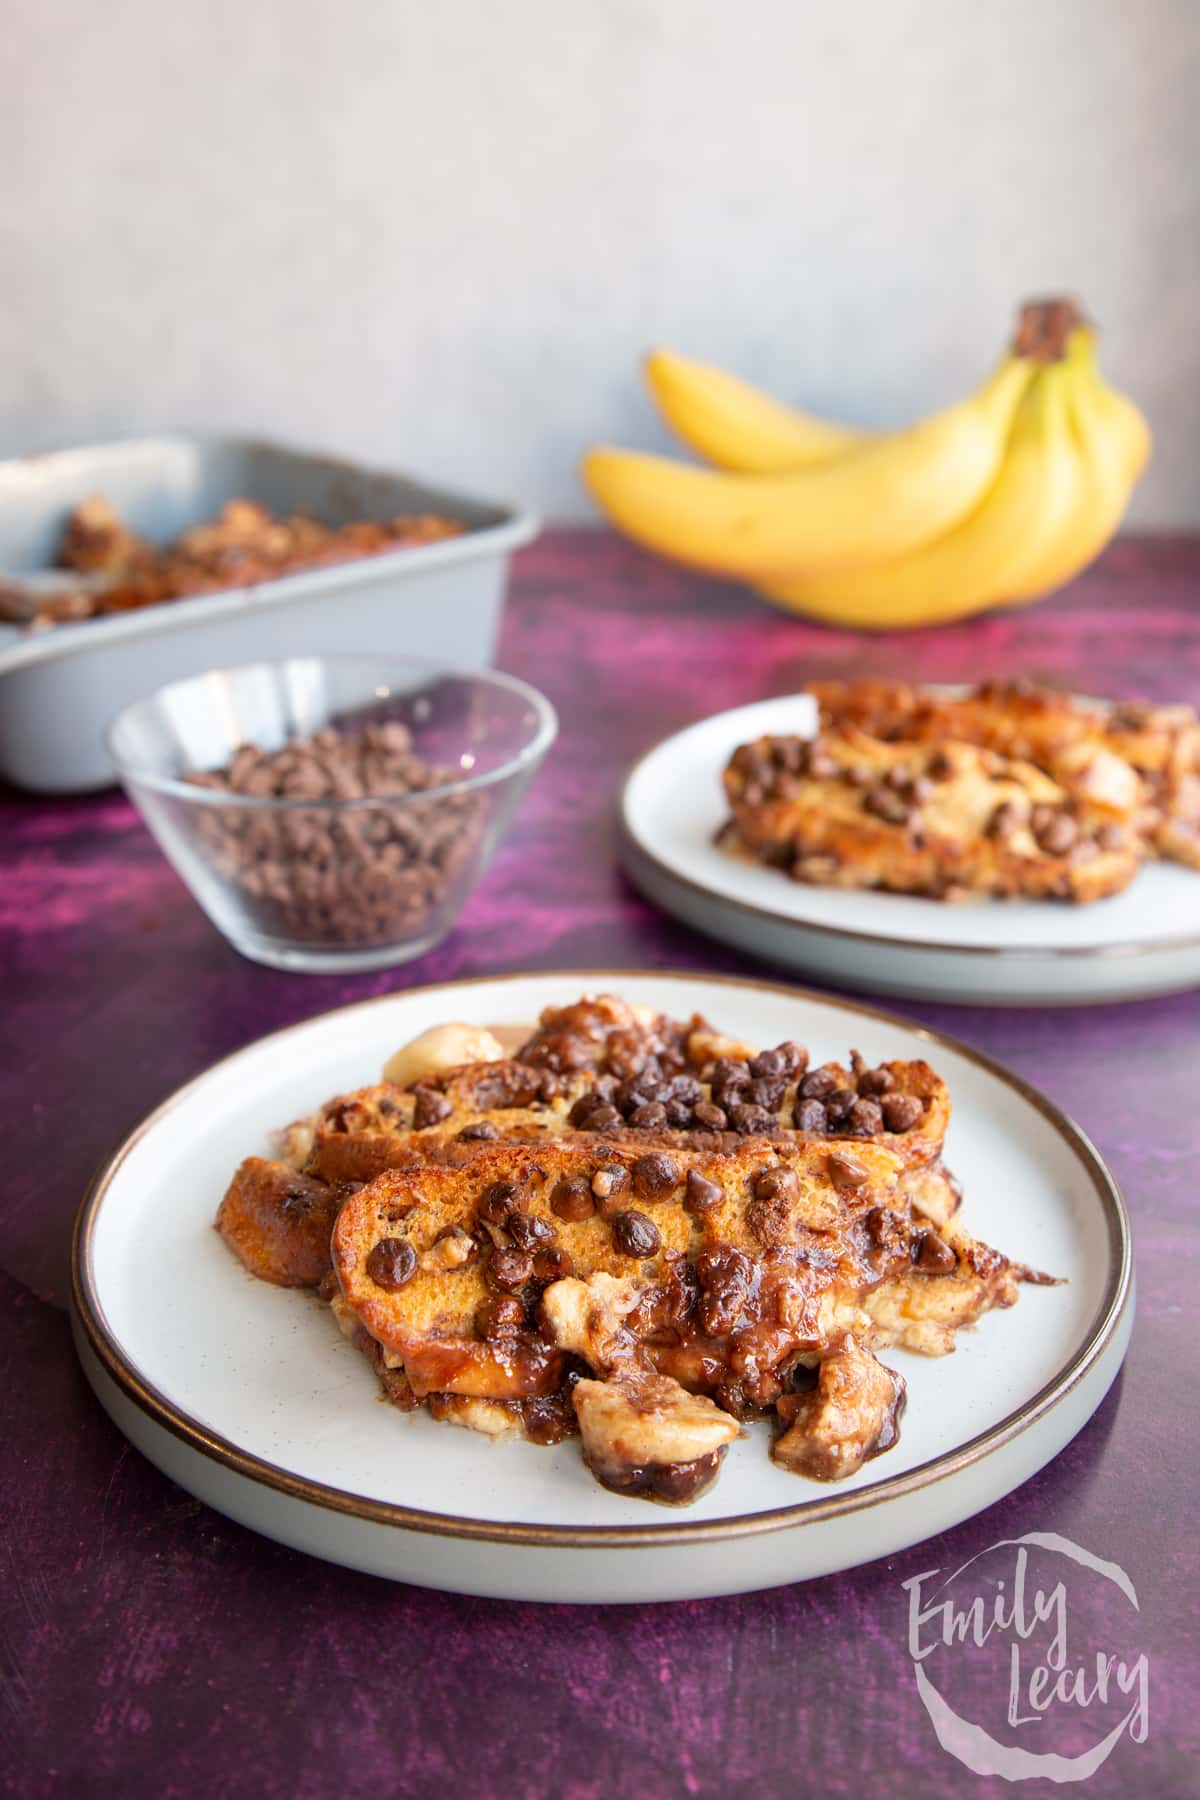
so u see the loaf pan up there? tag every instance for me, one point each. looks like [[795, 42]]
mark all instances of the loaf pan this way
[[60, 688]]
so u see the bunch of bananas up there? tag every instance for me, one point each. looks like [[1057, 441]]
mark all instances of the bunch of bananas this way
[[996, 501]]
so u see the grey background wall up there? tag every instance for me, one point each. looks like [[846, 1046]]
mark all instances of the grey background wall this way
[[438, 233]]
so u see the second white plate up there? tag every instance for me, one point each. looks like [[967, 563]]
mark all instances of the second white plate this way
[[1143, 942]]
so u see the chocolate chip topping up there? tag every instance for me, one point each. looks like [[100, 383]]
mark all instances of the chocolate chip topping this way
[[776, 1184], [429, 1108], [864, 1118], [838, 1104], [509, 1269], [609, 1185], [900, 1111], [654, 1175], [1055, 831], [529, 1230], [1004, 820], [886, 804], [818, 1083], [751, 1119], [933, 1255], [846, 1172], [634, 1234], [552, 1263], [811, 1116], [710, 1117], [392, 1262], [700, 1195], [497, 1201], [500, 1317], [572, 1200]]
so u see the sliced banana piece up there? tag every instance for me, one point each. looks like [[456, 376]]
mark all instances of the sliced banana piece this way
[[441, 1047]]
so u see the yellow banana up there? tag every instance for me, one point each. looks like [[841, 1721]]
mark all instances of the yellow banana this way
[[992, 552], [1114, 443], [1114, 412], [737, 426], [874, 503]]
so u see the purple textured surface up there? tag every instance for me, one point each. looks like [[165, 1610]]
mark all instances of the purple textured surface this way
[[152, 1647]]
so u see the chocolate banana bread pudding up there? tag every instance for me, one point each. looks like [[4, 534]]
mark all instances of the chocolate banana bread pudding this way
[[1010, 791], [633, 1229]]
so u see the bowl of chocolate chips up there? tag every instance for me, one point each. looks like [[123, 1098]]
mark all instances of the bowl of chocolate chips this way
[[332, 813]]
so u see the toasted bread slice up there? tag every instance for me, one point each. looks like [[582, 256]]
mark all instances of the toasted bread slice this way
[[447, 1120], [1133, 761], [1066, 740], [1163, 744], [948, 821], [277, 1221], [720, 1275]]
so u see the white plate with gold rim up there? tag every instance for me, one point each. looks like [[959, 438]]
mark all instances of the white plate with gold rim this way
[[1143, 942], [248, 1397]]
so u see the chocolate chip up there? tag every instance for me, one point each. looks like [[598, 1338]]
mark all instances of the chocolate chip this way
[[651, 1116], [728, 1074], [820, 1082], [634, 1234], [886, 804], [1004, 820], [900, 1111], [392, 1262], [483, 1131], [580, 1114], [528, 1230], [899, 777], [500, 1317], [700, 1195], [552, 1264], [767, 1091], [768, 1062], [429, 1108], [876, 1081], [727, 1276], [846, 1172], [572, 1200], [864, 1118], [509, 1269], [609, 1185], [838, 1103], [686, 1089], [887, 1228], [654, 1175], [795, 1057], [776, 1184], [933, 1255], [749, 1120], [497, 1201], [1057, 834], [811, 1116], [710, 1117], [940, 767]]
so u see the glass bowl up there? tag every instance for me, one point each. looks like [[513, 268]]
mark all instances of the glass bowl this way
[[308, 881]]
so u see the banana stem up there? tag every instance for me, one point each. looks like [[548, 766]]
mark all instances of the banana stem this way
[[1044, 328]]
